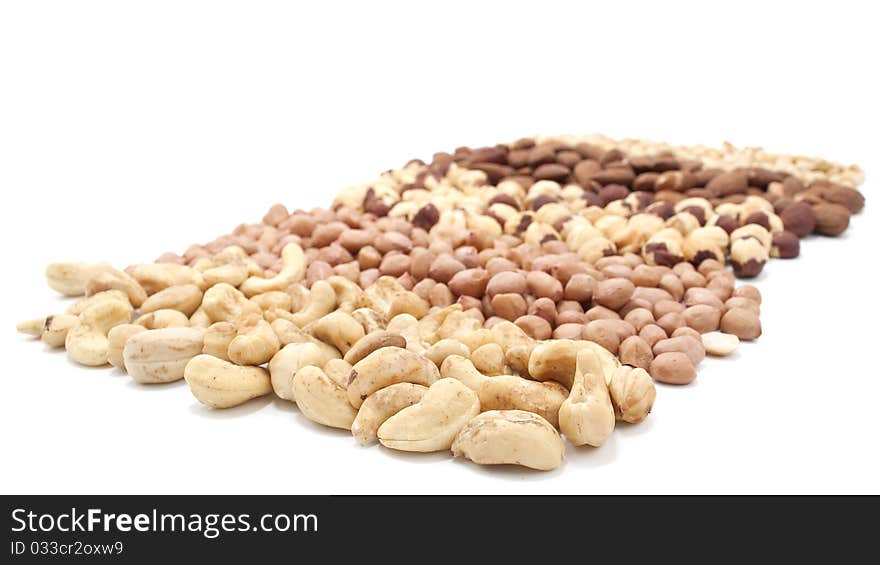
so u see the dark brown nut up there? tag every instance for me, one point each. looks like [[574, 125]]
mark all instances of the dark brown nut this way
[[552, 171], [663, 307], [686, 331], [506, 282], [542, 285], [509, 306], [742, 302], [369, 258], [670, 322], [494, 172], [742, 323], [470, 282], [639, 318], [725, 184], [421, 262], [786, 245], [677, 181], [692, 279], [673, 368], [580, 288], [355, 240], [696, 295], [702, 317], [395, 264], [848, 197], [571, 317], [584, 171], [535, 326], [368, 277], [613, 293], [727, 223], [799, 218], [318, 271], [748, 257], [647, 275], [759, 218], [673, 285], [688, 345], [635, 351], [612, 192], [568, 331], [568, 157], [545, 308], [748, 291], [615, 175], [440, 295], [603, 333], [325, 234], [541, 155], [831, 219], [652, 333], [444, 267], [601, 313]]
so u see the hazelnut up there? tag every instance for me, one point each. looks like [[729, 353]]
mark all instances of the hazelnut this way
[[786, 245], [831, 219], [799, 218]]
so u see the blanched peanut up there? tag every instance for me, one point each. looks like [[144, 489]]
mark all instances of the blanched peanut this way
[[635, 351], [380, 406], [183, 298], [432, 423], [160, 356], [70, 279], [632, 394], [385, 367], [117, 337], [57, 327], [720, 344], [691, 347], [587, 415], [507, 392], [488, 359], [742, 323], [321, 399], [672, 368], [514, 437], [221, 384]]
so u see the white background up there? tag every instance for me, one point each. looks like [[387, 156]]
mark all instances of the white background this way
[[128, 129]]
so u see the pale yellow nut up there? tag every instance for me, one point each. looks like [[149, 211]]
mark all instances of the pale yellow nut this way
[[432, 423], [160, 356], [163, 319], [719, 344], [322, 400], [293, 269], [117, 337], [154, 277], [380, 406], [185, 298], [31, 327], [461, 368], [339, 329], [112, 279], [57, 327], [510, 437], [385, 367], [510, 392], [556, 360], [221, 384], [290, 359], [255, 344], [587, 415], [632, 394], [70, 278]]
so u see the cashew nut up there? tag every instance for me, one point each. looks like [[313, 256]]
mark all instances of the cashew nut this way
[[338, 370], [489, 359], [200, 319], [348, 293], [461, 368], [587, 416], [56, 329], [407, 327], [322, 400], [293, 269], [338, 329], [514, 437], [632, 394], [32, 327], [272, 300], [163, 319], [82, 304], [380, 406], [117, 337], [370, 319], [70, 278], [288, 332], [160, 356], [371, 342], [154, 277], [217, 338], [112, 279], [255, 344], [509, 392], [231, 273], [86, 342], [556, 360], [225, 303], [432, 423], [385, 367], [438, 352], [290, 359], [184, 298], [221, 384], [322, 301]]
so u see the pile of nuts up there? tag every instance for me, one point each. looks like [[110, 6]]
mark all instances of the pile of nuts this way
[[481, 303]]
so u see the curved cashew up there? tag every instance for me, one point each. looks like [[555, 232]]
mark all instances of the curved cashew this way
[[290, 359], [217, 338], [438, 352], [83, 304], [385, 367], [32, 327], [221, 384], [322, 301], [509, 392], [370, 319], [461, 368], [163, 319], [231, 273], [112, 279], [379, 295], [517, 358], [478, 338], [288, 333], [380, 406], [432, 423], [160, 356], [154, 277], [56, 329], [632, 394], [225, 303], [338, 329], [513, 437], [293, 269], [407, 327], [273, 300], [322, 400], [255, 344], [117, 337], [587, 416], [371, 342], [200, 319], [338, 370], [70, 278], [507, 335], [86, 342], [348, 293], [408, 302], [556, 360], [489, 359], [184, 298]]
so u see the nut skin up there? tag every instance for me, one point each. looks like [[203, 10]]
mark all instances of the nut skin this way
[[786, 245]]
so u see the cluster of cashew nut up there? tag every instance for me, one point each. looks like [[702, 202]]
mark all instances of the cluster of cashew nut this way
[[377, 361]]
